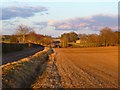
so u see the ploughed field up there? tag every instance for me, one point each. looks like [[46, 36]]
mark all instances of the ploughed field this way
[[64, 68], [87, 67]]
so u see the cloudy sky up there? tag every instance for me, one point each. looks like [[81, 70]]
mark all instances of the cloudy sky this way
[[54, 18]]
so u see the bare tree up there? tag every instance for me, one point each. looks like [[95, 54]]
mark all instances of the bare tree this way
[[107, 36], [22, 31], [93, 38], [31, 37]]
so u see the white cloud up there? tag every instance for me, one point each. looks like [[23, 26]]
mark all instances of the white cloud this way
[[92, 23], [20, 11], [51, 27]]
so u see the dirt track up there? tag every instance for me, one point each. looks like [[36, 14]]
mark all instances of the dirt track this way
[[88, 67], [80, 68], [48, 76]]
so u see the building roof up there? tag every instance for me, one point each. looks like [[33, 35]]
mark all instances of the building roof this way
[[56, 39]]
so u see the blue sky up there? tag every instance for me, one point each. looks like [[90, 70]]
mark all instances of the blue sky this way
[[55, 18]]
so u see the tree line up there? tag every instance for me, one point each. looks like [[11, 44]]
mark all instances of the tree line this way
[[107, 37], [25, 34]]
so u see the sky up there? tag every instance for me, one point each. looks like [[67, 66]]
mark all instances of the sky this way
[[57, 17]]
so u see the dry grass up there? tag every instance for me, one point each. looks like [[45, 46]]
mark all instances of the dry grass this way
[[50, 77], [88, 67], [20, 74]]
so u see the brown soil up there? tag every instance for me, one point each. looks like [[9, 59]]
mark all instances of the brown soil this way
[[88, 67]]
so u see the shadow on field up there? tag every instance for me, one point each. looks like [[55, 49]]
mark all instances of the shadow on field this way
[[14, 52]]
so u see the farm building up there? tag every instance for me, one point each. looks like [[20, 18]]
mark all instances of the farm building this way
[[80, 41], [5, 38], [56, 42]]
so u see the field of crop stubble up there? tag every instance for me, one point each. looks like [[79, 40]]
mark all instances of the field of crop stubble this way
[[88, 67]]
